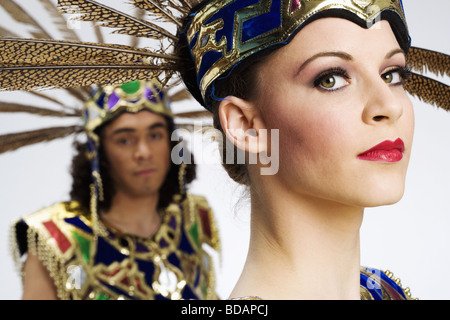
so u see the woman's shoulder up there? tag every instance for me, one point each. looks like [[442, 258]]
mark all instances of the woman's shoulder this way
[[376, 284]]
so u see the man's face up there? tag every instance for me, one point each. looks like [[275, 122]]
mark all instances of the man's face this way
[[138, 150]]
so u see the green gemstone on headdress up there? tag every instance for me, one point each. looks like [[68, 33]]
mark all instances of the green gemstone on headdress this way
[[131, 87]]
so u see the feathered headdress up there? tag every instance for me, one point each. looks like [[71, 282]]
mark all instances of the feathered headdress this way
[[38, 59], [98, 100], [219, 35]]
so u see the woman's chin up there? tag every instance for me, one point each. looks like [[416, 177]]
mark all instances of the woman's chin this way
[[383, 198]]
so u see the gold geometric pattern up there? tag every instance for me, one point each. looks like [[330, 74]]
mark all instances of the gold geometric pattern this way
[[212, 19]]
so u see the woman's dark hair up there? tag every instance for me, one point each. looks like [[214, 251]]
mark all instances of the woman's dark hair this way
[[82, 178], [242, 82]]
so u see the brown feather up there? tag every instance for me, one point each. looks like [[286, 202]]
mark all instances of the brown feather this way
[[423, 60], [180, 95], [37, 52], [134, 41], [20, 15], [13, 141], [429, 90], [194, 114], [6, 33], [77, 93], [91, 10], [179, 6], [17, 107], [157, 8], [58, 21], [46, 97], [98, 33], [29, 78]]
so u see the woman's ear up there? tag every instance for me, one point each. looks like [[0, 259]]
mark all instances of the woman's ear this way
[[242, 123]]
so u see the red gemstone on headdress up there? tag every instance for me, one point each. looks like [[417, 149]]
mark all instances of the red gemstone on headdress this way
[[295, 4]]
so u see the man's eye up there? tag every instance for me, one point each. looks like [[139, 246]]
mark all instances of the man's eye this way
[[156, 136], [123, 141]]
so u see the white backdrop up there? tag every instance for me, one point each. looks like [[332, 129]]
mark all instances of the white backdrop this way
[[411, 238]]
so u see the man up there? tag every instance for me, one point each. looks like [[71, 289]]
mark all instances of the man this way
[[130, 231]]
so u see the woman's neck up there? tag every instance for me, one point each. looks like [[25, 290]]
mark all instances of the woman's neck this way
[[301, 248], [134, 215]]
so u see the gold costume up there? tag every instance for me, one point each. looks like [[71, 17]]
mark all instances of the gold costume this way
[[173, 264]]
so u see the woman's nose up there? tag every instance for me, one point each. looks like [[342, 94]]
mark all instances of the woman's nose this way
[[382, 104]]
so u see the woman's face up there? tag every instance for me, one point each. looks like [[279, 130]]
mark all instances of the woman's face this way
[[335, 92]]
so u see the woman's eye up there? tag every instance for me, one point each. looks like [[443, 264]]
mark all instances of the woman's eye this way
[[392, 77], [332, 81]]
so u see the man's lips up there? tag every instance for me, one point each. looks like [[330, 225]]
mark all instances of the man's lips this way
[[144, 172], [386, 151]]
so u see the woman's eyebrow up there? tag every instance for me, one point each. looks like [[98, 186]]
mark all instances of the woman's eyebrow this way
[[339, 54], [392, 53]]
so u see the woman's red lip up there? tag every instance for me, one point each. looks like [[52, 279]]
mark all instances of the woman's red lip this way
[[386, 151]]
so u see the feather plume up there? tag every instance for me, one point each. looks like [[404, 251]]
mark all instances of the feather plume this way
[[13, 141], [17, 107], [429, 90], [98, 34], [194, 114], [77, 93], [157, 8], [28, 64], [20, 15], [91, 10], [20, 52], [184, 3], [6, 33], [180, 95], [46, 97], [58, 21], [134, 41], [423, 60], [28, 78]]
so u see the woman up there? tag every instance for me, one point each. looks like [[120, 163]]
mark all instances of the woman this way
[[346, 126]]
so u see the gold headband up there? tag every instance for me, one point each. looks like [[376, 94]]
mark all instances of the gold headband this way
[[219, 35], [225, 32], [109, 101]]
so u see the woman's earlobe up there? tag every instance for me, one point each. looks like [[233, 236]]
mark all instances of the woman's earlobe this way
[[241, 123]]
